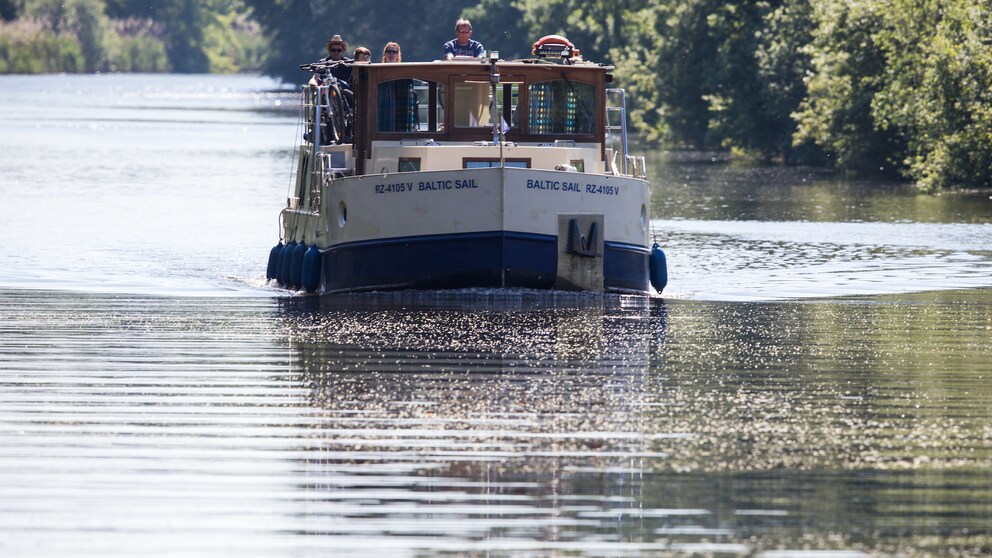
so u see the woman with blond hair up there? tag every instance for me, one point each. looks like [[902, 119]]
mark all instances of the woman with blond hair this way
[[392, 53]]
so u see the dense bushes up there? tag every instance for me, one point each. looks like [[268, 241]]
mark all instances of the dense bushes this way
[[26, 47], [130, 36]]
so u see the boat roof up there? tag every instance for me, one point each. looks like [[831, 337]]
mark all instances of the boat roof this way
[[437, 68], [483, 61]]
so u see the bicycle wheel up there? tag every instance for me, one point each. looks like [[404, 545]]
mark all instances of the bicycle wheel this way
[[349, 115], [335, 112]]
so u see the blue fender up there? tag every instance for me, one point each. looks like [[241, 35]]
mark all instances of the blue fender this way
[[285, 257], [296, 266], [658, 266], [311, 269], [272, 270]]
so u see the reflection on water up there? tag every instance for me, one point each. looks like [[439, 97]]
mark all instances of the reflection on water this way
[[495, 423], [711, 189], [735, 232], [747, 260]]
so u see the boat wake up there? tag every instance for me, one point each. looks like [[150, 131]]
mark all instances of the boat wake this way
[[749, 260]]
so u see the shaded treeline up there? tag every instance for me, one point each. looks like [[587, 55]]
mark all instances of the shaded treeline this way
[[893, 86]]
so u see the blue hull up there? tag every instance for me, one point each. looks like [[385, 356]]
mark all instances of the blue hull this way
[[471, 260]]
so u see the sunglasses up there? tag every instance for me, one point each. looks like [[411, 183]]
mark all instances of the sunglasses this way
[[336, 50], [392, 51]]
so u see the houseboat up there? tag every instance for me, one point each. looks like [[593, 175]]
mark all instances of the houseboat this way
[[468, 173]]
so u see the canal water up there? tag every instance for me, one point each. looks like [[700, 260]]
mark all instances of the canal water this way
[[814, 382]]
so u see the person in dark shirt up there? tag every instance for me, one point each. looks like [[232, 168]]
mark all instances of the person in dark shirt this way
[[336, 47], [462, 44]]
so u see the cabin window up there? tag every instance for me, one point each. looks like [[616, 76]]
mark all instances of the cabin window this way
[[487, 162], [510, 100], [409, 105], [579, 164], [561, 106], [409, 164], [472, 105]]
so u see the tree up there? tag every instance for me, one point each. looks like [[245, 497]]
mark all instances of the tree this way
[[83, 19], [846, 75], [297, 29], [9, 10], [756, 81], [182, 22], [903, 84], [503, 26], [937, 89]]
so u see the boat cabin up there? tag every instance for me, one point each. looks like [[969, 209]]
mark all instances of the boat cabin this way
[[472, 113]]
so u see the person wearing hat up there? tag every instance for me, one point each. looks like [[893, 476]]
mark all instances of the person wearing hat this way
[[336, 47]]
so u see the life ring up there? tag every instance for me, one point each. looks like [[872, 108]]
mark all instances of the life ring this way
[[555, 45]]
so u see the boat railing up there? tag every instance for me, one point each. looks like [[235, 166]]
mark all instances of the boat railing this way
[[308, 100], [616, 126], [637, 166]]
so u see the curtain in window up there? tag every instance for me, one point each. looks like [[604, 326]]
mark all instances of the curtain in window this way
[[561, 107]]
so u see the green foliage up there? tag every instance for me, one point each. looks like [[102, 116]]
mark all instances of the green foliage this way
[[636, 67], [847, 64], [783, 62], [234, 43], [293, 35], [130, 35], [903, 83], [83, 19], [26, 49], [872, 85], [937, 89], [297, 29], [756, 78], [503, 25], [136, 46], [184, 22], [676, 52]]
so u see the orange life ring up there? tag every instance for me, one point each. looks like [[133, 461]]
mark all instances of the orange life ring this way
[[555, 43]]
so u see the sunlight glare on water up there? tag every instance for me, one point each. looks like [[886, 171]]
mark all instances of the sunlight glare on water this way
[[503, 423], [143, 184]]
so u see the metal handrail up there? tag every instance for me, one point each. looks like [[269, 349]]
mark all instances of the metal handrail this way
[[622, 109]]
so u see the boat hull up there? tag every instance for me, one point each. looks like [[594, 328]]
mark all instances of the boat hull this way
[[485, 228], [485, 260]]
